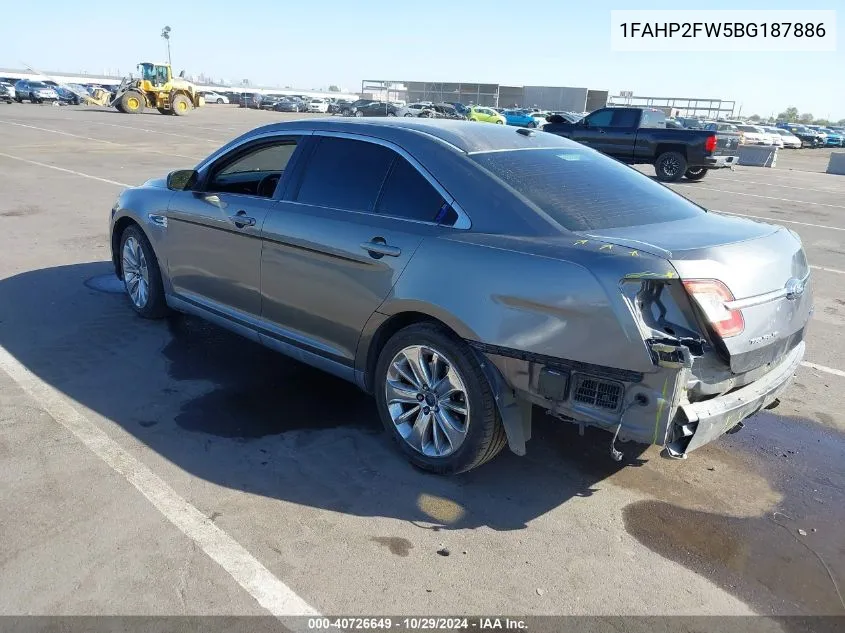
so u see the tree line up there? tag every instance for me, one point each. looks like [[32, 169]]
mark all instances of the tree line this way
[[791, 115]]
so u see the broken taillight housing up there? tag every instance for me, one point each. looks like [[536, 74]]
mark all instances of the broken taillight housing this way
[[711, 296]]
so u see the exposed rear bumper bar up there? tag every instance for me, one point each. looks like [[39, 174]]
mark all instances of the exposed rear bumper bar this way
[[717, 162], [714, 417]]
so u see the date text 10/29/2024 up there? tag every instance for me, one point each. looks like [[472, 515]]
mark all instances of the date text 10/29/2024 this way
[[417, 624]]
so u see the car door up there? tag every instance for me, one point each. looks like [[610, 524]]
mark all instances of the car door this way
[[213, 233], [592, 129], [337, 243]]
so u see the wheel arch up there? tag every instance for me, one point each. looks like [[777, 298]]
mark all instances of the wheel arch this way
[[120, 226], [662, 148], [515, 415]]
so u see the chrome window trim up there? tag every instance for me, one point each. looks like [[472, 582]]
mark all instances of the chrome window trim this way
[[207, 162], [462, 223], [220, 154]]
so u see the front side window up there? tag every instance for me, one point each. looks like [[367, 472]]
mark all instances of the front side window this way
[[345, 174], [600, 119], [255, 172]]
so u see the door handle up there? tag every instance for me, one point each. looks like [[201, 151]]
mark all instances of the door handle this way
[[241, 219], [378, 248]]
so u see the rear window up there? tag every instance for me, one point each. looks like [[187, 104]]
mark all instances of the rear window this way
[[584, 190]]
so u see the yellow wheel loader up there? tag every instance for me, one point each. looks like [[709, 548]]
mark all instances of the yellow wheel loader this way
[[157, 88]]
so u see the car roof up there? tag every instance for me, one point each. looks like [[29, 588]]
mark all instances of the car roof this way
[[464, 136]]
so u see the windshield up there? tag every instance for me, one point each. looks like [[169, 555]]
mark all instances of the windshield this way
[[583, 190], [749, 128]]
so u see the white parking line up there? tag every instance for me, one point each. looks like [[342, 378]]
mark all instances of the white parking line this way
[[773, 184], [98, 140], [270, 592], [827, 370], [756, 195], [828, 270], [780, 220], [142, 129], [67, 171]]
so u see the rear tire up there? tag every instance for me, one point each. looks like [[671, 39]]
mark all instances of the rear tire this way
[[695, 173], [670, 166], [180, 105], [481, 436], [138, 257]]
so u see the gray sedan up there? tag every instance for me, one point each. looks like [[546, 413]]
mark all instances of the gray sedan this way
[[462, 274]]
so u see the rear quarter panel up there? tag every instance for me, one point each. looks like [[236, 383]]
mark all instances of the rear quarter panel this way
[[559, 299]]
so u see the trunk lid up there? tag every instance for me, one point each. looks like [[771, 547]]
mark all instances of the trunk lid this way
[[763, 266]]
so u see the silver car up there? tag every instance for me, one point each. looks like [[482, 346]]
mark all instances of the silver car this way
[[7, 92], [34, 91], [463, 273]]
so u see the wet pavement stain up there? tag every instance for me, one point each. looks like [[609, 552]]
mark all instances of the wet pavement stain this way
[[259, 392], [790, 557], [397, 545], [108, 283]]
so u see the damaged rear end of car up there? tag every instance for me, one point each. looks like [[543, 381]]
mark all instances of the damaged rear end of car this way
[[710, 311]]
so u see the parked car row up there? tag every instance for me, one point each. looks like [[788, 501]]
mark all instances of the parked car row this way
[[786, 135], [46, 91]]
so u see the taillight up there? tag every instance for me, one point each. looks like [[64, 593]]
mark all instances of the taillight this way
[[711, 296], [710, 144]]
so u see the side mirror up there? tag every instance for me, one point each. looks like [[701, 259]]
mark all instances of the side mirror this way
[[181, 179]]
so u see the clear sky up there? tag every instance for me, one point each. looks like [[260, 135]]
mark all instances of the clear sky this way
[[314, 43]]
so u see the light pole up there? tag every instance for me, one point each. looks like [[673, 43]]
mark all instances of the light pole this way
[[165, 33]]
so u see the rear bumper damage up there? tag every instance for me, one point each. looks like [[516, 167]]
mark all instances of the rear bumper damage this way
[[696, 424], [648, 408]]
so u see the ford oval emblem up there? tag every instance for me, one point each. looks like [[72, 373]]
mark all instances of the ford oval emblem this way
[[794, 288]]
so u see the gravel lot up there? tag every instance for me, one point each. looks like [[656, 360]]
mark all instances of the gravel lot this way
[[111, 426]]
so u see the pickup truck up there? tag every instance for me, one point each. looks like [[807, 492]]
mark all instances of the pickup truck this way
[[640, 135]]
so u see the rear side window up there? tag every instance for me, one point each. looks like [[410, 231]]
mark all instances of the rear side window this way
[[583, 190], [407, 194], [652, 118], [345, 174], [625, 118]]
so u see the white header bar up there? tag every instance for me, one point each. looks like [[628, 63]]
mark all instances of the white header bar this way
[[719, 31]]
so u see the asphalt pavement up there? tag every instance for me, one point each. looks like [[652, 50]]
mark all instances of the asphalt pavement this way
[[167, 468]]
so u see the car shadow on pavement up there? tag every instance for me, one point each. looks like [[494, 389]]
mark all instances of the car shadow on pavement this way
[[233, 413]]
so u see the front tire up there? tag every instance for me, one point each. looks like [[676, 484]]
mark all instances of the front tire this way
[[434, 399], [132, 102], [670, 166], [141, 274], [220, 102], [695, 173]]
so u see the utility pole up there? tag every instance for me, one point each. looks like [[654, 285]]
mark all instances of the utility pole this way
[[165, 33]]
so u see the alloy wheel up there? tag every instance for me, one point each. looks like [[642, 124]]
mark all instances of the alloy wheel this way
[[671, 165], [427, 401], [136, 275]]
